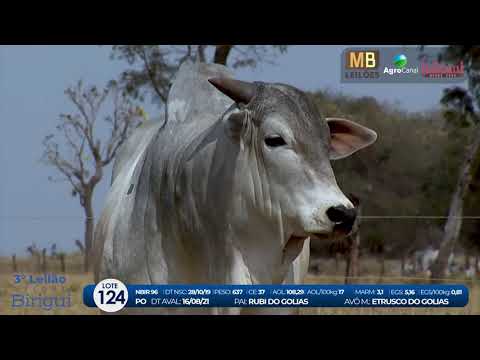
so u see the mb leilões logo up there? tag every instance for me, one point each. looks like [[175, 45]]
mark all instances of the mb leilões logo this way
[[400, 63], [361, 64]]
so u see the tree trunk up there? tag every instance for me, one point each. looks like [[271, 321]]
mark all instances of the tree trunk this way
[[221, 54], [402, 265], [89, 225], [201, 53], [454, 221], [477, 264]]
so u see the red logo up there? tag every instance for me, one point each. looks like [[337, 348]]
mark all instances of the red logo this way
[[437, 70]]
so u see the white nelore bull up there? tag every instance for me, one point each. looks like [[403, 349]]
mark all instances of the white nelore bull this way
[[230, 190]]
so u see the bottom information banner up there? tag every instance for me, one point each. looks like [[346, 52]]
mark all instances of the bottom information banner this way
[[114, 294]]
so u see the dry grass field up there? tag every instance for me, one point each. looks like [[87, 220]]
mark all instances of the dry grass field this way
[[74, 286], [330, 272], [76, 280]]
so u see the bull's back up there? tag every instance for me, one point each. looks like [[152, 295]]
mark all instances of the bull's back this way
[[193, 106], [142, 135]]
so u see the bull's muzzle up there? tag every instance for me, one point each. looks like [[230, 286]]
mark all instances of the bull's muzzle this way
[[343, 218]]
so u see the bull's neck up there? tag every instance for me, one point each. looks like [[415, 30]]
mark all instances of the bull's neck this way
[[219, 221]]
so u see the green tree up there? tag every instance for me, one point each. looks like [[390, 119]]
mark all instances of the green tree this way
[[153, 66]]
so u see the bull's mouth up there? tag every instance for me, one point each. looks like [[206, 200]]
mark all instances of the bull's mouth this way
[[294, 239], [295, 242], [320, 235], [339, 232]]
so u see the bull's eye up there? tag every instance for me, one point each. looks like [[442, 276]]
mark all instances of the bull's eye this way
[[275, 141]]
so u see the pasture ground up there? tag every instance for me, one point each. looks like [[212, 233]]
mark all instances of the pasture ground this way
[[76, 280]]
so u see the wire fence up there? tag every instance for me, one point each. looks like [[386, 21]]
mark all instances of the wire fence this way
[[428, 217], [396, 278], [362, 217], [44, 217]]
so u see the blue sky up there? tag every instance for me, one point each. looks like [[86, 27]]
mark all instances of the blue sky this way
[[32, 84]]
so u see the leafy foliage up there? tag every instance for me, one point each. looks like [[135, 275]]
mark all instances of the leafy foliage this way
[[153, 66]]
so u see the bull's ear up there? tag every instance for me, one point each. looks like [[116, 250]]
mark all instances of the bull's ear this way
[[347, 137]]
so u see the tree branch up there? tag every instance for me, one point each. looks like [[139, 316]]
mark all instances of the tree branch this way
[[151, 74], [221, 54], [201, 53], [78, 131]]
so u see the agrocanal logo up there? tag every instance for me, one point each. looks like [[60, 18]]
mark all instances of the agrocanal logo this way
[[400, 63]]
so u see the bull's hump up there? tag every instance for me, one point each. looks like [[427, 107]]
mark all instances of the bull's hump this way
[[191, 95]]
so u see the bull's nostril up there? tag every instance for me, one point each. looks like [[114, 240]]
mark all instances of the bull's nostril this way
[[340, 214], [335, 214]]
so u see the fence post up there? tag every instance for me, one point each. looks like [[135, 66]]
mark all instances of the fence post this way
[[14, 263], [467, 260], [62, 262], [353, 243], [382, 265], [348, 271], [337, 258], [402, 265], [44, 260], [38, 262], [352, 256]]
